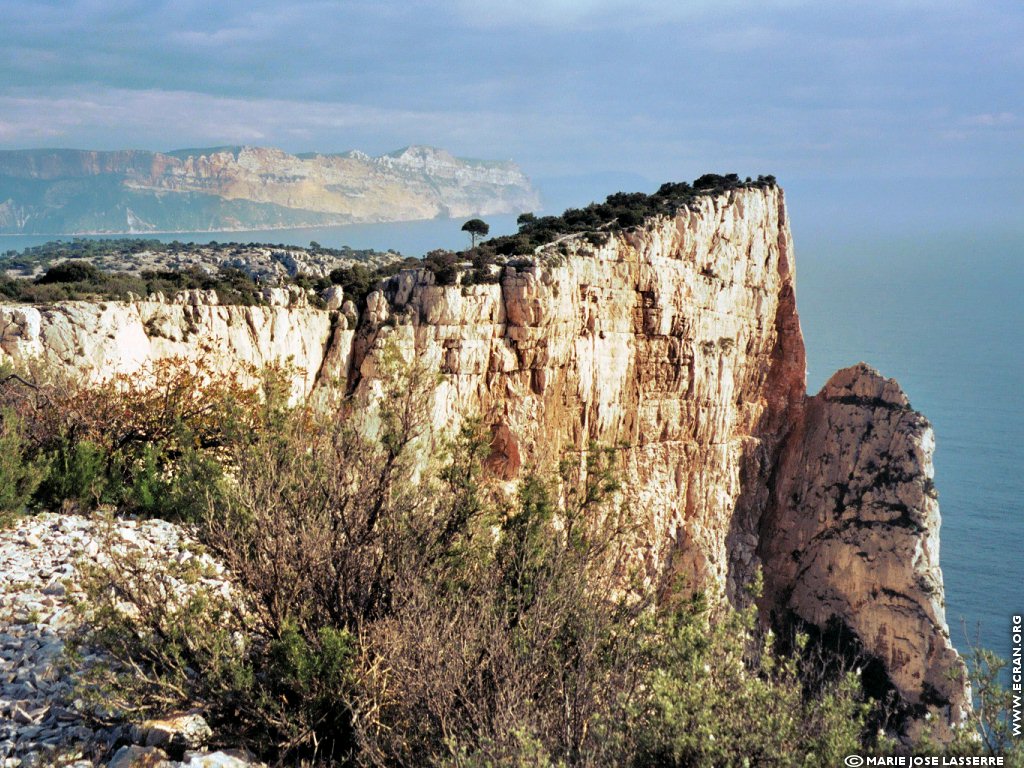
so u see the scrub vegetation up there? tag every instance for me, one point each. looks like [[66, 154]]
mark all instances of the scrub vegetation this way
[[393, 605]]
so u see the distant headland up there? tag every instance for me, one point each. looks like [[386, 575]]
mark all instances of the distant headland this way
[[66, 191]]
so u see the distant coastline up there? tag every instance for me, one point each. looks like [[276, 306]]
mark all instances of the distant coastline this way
[[246, 188], [275, 228]]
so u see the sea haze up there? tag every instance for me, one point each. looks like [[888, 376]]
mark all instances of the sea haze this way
[[939, 312]]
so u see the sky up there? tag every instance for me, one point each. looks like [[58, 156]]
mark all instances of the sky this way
[[910, 103]]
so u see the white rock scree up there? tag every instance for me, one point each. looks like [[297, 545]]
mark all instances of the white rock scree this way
[[41, 720]]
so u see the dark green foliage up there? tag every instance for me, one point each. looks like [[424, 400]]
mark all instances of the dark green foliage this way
[[444, 264], [70, 272], [989, 730], [79, 473], [359, 280], [89, 250], [20, 473], [233, 286], [622, 210], [42, 256], [308, 674], [720, 696], [356, 281], [70, 281], [173, 484], [73, 271], [476, 228]]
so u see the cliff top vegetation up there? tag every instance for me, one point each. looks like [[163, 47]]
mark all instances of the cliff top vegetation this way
[[136, 254], [238, 271], [596, 222], [117, 269]]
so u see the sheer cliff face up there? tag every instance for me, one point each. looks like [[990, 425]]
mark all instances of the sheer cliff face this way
[[98, 341], [678, 341]]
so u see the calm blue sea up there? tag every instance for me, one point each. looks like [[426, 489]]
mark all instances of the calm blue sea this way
[[943, 314], [412, 238], [940, 312]]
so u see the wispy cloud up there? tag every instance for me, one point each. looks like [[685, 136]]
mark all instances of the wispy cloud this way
[[562, 13], [992, 120], [169, 119], [652, 87]]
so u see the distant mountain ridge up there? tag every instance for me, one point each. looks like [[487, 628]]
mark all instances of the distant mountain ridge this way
[[67, 191]]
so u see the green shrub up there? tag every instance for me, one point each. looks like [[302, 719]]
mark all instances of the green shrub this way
[[720, 696], [20, 474], [173, 485], [78, 473], [989, 729], [70, 272], [153, 443]]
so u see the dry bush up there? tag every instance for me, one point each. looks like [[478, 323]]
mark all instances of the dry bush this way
[[528, 643], [152, 442]]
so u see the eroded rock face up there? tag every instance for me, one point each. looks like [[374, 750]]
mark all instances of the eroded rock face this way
[[679, 341], [99, 341], [852, 541]]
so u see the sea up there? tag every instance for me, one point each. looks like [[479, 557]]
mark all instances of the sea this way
[[940, 311]]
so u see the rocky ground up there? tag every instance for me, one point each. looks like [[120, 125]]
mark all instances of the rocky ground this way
[[270, 264], [43, 721]]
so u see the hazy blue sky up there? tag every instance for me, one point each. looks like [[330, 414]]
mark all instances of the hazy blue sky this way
[[828, 96]]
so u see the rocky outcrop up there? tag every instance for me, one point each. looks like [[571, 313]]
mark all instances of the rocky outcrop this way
[[677, 341], [853, 538], [237, 188], [99, 341]]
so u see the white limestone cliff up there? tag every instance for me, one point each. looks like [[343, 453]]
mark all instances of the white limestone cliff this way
[[100, 340], [678, 341]]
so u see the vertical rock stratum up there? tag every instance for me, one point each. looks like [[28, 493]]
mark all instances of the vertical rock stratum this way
[[678, 341]]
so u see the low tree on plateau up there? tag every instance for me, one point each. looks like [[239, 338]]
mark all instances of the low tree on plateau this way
[[476, 228]]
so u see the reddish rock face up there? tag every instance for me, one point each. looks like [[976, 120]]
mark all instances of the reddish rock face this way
[[678, 340], [853, 536], [504, 460]]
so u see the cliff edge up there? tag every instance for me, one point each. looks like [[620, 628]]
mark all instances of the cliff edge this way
[[677, 340]]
